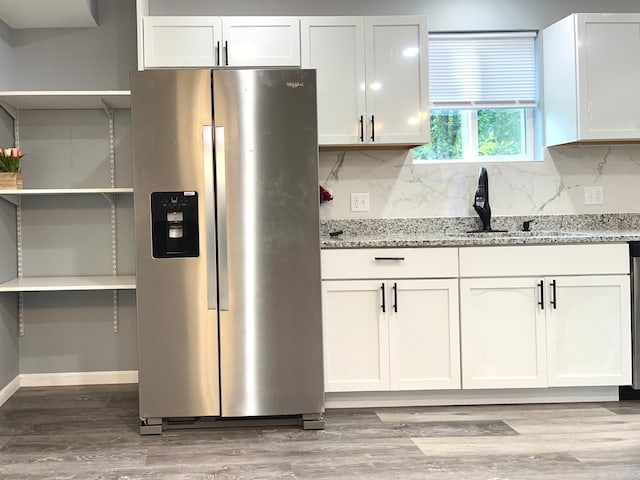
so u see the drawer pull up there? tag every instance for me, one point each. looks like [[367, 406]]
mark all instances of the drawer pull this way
[[391, 259], [541, 301], [395, 297]]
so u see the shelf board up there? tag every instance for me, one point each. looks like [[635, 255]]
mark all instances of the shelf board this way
[[64, 191], [65, 99], [10, 195], [61, 284]]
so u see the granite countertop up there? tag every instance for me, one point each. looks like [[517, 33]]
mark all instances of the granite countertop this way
[[451, 232]]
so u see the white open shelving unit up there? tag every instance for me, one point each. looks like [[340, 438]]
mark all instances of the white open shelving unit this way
[[15, 101]]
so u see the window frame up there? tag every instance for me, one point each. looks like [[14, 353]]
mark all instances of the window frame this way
[[469, 107]]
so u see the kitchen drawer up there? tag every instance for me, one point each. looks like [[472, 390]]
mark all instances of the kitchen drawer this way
[[524, 260], [390, 263]]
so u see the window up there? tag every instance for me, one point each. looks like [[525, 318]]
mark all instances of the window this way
[[482, 89]]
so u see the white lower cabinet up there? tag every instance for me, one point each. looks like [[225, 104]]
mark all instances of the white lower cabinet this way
[[559, 330], [391, 335], [502, 333], [504, 317], [424, 347], [588, 333], [356, 337]]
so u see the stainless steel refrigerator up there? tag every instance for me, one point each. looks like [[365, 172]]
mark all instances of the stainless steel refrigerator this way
[[227, 245]]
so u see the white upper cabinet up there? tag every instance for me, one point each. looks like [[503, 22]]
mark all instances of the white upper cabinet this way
[[372, 78], [175, 42], [397, 83], [261, 41], [591, 78], [334, 46]]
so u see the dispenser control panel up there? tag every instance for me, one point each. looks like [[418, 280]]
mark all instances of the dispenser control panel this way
[[174, 224]]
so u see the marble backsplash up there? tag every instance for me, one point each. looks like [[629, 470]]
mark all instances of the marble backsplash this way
[[400, 189]]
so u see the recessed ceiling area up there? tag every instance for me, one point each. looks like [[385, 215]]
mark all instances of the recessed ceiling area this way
[[49, 13]]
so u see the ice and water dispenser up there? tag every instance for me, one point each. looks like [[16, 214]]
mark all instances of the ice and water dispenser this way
[[174, 224]]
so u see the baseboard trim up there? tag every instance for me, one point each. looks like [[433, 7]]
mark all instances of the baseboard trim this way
[[11, 388], [78, 378], [470, 397]]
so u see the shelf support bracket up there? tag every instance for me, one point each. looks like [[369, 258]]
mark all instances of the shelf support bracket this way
[[19, 249], [108, 110], [116, 322], [20, 314], [110, 197], [11, 111]]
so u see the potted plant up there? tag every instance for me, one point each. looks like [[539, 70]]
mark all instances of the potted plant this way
[[10, 176]]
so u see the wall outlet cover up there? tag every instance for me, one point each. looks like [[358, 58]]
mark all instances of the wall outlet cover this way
[[359, 202], [593, 195]]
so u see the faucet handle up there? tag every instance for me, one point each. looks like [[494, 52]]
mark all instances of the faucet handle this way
[[526, 225]]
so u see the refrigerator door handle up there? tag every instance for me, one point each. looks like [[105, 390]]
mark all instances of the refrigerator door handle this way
[[221, 192], [209, 216]]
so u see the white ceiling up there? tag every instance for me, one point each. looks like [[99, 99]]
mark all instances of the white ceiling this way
[[49, 13]]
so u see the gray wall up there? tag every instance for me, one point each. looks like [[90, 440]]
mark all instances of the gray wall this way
[[7, 75], [8, 270], [444, 15], [79, 58], [8, 303]]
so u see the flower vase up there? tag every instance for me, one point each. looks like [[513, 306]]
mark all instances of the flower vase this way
[[10, 181]]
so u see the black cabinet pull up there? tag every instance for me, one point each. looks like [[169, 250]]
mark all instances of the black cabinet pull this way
[[226, 52], [384, 303], [393, 259], [395, 297], [362, 128], [373, 128], [541, 301], [554, 299], [218, 53]]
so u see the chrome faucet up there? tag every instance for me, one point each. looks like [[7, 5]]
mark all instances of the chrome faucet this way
[[481, 200]]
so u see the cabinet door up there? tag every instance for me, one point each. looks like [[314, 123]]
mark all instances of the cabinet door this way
[[609, 75], [424, 345], [334, 46], [502, 333], [589, 331], [261, 41], [355, 335], [174, 42], [397, 83]]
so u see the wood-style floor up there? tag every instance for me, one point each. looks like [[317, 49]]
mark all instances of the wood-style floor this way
[[91, 433]]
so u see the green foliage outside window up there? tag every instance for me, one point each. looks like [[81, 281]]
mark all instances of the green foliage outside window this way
[[446, 137], [499, 133]]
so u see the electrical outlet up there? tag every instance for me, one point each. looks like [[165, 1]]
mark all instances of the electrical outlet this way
[[359, 202], [593, 195]]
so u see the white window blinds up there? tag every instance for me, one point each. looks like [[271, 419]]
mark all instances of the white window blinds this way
[[488, 70]]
